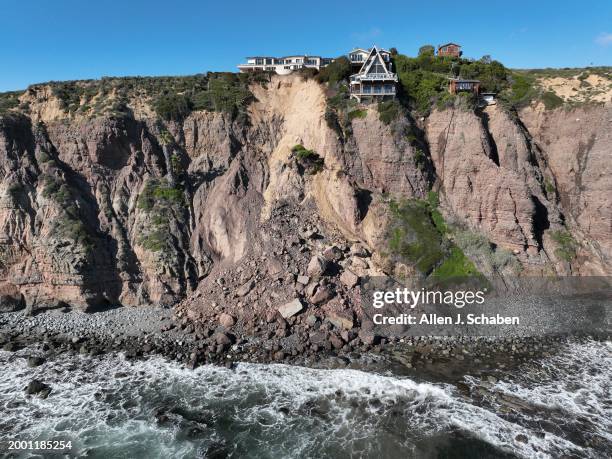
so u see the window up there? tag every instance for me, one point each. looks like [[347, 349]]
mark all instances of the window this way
[[259, 61]]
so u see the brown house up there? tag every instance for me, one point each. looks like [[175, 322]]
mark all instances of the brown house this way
[[450, 49], [458, 85]]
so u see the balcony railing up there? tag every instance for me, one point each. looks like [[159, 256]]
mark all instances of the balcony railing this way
[[374, 91], [374, 77]]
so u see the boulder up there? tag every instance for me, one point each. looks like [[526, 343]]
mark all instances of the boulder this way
[[358, 250], [303, 280], [317, 266], [369, 338], [341, 319], [226, 320], [349, 278], [36, 387], [322, 295], [245, 288], [332, 253], [222, 339], [290, 309], [35, 361]]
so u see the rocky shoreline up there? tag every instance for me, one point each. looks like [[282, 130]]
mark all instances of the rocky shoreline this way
[[143, 332]]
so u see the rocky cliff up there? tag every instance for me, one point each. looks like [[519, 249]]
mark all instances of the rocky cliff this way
[[219, 212]]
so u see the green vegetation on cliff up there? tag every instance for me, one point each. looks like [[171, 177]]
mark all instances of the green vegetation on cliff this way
[[161, 202], [417, 237]]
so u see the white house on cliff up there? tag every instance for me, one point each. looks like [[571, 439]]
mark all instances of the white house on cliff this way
[[373, 77], [283, 65]]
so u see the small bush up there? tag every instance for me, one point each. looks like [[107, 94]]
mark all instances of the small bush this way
[[456, 264], [173, 106], [551, 100], [567, 245], [388, 111], [335, 72], [357, 114], [308, 159]]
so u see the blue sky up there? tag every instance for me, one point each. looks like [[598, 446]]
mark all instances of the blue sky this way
[[42, 40]]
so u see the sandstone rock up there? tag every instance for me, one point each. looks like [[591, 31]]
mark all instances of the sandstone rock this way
[[332, 253], [349, 278], [226, 320], [245, 288], [341, 319], [317, 266], [358, 250], [369, 338], [359, 262], [303, 280], [336, 341], [290, 309], [322, 294]]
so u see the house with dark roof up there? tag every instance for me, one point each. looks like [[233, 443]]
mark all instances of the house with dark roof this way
[[450, 49], [374, 80]]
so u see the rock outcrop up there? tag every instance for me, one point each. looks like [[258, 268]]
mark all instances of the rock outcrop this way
[[105, 211]]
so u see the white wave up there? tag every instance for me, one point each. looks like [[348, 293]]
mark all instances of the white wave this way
[[278, 410]]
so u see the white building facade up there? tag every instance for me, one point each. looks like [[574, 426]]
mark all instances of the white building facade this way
[[283, 65]]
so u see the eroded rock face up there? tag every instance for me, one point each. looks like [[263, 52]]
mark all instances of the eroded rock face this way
[[487, 186], [577, 145], [89, 216]]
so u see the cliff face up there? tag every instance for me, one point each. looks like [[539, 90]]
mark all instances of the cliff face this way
[[577, 147], [91, 213]]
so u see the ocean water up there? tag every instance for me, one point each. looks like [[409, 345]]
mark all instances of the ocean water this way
[[110, 407]]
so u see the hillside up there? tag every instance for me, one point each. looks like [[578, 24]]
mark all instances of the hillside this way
[[221, 191]]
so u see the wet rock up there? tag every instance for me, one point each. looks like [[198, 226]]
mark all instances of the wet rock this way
[[226, 320], [35, 361], [9, 347], [36, 387], [290, 309], [522, 438]]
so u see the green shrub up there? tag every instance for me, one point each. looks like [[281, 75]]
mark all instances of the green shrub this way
[[419, 158], [161, 202], [308, 159], [172, 106], [335, 72], [388, 111], [427, 50], [413, 236], [551, 100], [160, 194], [357, 114], [567, 245], [9, 100], [456, 264]]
